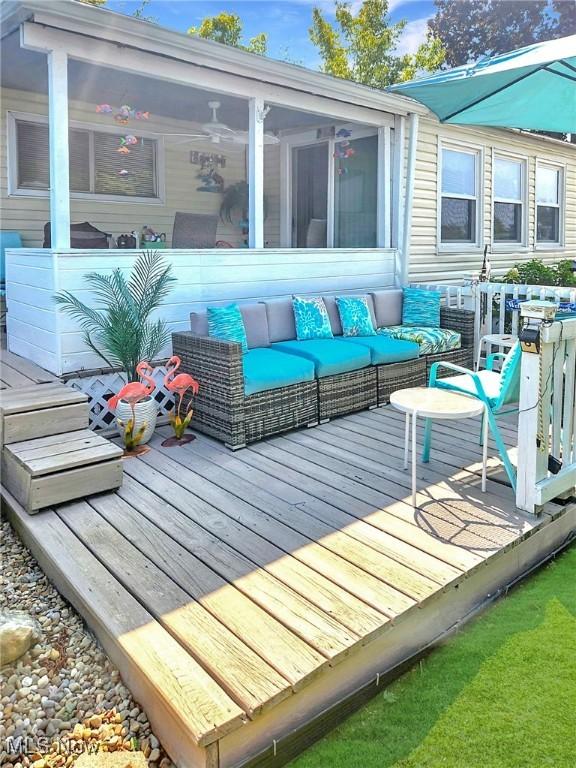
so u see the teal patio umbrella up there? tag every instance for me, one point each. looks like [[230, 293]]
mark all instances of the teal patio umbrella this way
[[533, 88]]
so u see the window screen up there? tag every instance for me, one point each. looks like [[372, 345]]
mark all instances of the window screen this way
[[109, 179], [95, 165]]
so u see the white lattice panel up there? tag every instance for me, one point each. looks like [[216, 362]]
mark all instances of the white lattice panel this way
[[101, 387]]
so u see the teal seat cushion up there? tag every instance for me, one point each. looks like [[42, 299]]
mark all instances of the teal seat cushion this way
[[330, 356], [490, 381], [226, 323], [432, 341], [266, 368], [421, 307], [385, 349]]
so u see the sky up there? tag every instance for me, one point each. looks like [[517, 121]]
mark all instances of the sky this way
[[285, 21]]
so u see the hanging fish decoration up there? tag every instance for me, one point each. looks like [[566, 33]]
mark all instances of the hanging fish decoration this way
[[123, 173], [343, 133], [123, 150], [104, 108]]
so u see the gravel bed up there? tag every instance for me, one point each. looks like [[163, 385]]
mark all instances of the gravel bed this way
[[64, 697]]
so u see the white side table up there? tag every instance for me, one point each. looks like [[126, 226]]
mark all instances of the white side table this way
[[435, 403], [505, 340]]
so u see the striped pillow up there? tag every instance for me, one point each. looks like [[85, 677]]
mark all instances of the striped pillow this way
[[421, 307], [226, 323]]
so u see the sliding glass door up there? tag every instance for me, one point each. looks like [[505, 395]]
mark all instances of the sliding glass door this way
[[355, 193], [333, 201], [310, 195]]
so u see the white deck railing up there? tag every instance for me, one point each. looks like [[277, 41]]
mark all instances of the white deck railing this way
[[547, 418], [497, 305]]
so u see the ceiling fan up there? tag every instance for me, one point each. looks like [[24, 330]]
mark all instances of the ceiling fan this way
[[218, 132]]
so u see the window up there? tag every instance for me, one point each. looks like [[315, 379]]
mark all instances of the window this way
[[548, 204], [460, 196], [509, 175], [95, 164]]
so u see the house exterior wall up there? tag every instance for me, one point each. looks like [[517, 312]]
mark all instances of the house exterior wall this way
[[54, 341], [27, 214], [429, 262]]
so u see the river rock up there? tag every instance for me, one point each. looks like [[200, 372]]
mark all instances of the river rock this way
[[18, 632]]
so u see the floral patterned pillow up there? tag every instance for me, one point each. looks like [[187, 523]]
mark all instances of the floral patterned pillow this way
[[355, 316], [311, 317]]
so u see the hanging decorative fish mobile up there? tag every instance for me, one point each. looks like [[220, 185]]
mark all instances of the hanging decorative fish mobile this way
[[124, 114], [343, 133]]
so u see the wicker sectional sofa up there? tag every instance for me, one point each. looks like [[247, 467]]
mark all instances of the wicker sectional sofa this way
[[282, 384]]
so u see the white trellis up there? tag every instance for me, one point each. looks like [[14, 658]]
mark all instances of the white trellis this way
[[101, 386]]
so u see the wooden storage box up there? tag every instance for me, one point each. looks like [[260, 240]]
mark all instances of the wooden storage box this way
[[41, 410], [58, 468]]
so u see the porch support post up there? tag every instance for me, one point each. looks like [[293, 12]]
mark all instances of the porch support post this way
[[59, 150], [408, 197], [257, 114], [384, 177], [397, 227]]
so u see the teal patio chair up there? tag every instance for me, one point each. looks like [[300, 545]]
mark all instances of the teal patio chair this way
[[499, 391]]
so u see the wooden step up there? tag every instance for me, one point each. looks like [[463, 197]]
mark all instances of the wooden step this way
[[39, 410], [57, 468]]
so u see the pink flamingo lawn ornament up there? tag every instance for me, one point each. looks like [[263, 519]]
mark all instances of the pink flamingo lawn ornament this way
[[132, 393], [179, 384]]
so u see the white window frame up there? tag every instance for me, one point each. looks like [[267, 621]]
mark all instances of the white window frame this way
[[308, 138], [560, 244], [522, 244], [478, 151], [15, 191]]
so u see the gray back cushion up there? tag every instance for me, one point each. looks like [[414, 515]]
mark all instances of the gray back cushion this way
[[333, 314], [255, 323], [388, 307], [281, 324]]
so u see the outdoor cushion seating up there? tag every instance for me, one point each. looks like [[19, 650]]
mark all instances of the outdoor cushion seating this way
[[432, 341], [499, 392], [281, 383], [384, 350], [389, 314], [266, 369], [329, 356]]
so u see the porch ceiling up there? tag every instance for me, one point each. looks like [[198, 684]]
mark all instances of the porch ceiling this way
[[26, 70]]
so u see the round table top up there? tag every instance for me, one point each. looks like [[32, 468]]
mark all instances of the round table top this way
[[432, 402]]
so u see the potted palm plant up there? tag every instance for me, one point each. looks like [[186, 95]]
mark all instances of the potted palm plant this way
[[119, 329]]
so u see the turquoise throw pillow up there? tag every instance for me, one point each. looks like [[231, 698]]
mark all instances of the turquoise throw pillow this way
[[311, 317], [355, 316], [421, 307], [226, 323]]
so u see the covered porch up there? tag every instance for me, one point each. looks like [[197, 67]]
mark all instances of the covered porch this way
[[257, 182]]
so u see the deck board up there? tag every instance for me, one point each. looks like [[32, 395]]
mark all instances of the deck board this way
[[16, 372], [264, 571]]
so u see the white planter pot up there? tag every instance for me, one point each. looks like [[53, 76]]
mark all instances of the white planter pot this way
[[146, 412]]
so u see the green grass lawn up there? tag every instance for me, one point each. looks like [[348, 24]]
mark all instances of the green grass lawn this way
[[500, 694]]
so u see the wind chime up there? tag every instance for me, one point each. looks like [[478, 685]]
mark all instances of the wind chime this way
[[343, 150], [122, 116]]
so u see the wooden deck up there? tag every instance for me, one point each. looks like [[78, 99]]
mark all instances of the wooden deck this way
[[246, 595], [16, 371]]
